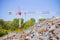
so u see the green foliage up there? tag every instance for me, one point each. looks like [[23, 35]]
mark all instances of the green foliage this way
[[1, 21], [32, 20], [14, 24], [2, 31], [10, 26], [41, 19], [7, 25], [29, 23], [4, 27]]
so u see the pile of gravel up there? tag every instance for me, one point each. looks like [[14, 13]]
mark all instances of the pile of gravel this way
[[46, 30]]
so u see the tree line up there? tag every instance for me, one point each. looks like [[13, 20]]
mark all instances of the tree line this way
[[9, 26]]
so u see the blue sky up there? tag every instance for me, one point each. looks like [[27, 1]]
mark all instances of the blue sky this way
[[52, 6]]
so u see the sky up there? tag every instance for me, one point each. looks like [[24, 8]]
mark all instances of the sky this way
[[39, 6]]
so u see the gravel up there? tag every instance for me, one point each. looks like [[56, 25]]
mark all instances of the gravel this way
[[46, 30]]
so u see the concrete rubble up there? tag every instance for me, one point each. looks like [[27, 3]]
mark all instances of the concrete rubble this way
[[46, 30]]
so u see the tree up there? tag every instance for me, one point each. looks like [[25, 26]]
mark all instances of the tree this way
[[41, 19], [29, 23], [32, 20], [2, 31], [8, 25], [2, 22], [15, 24]]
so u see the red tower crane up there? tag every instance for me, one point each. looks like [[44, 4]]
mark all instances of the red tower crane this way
[[20, 13]]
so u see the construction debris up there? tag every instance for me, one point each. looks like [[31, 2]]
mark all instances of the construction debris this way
[[46, 30]]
